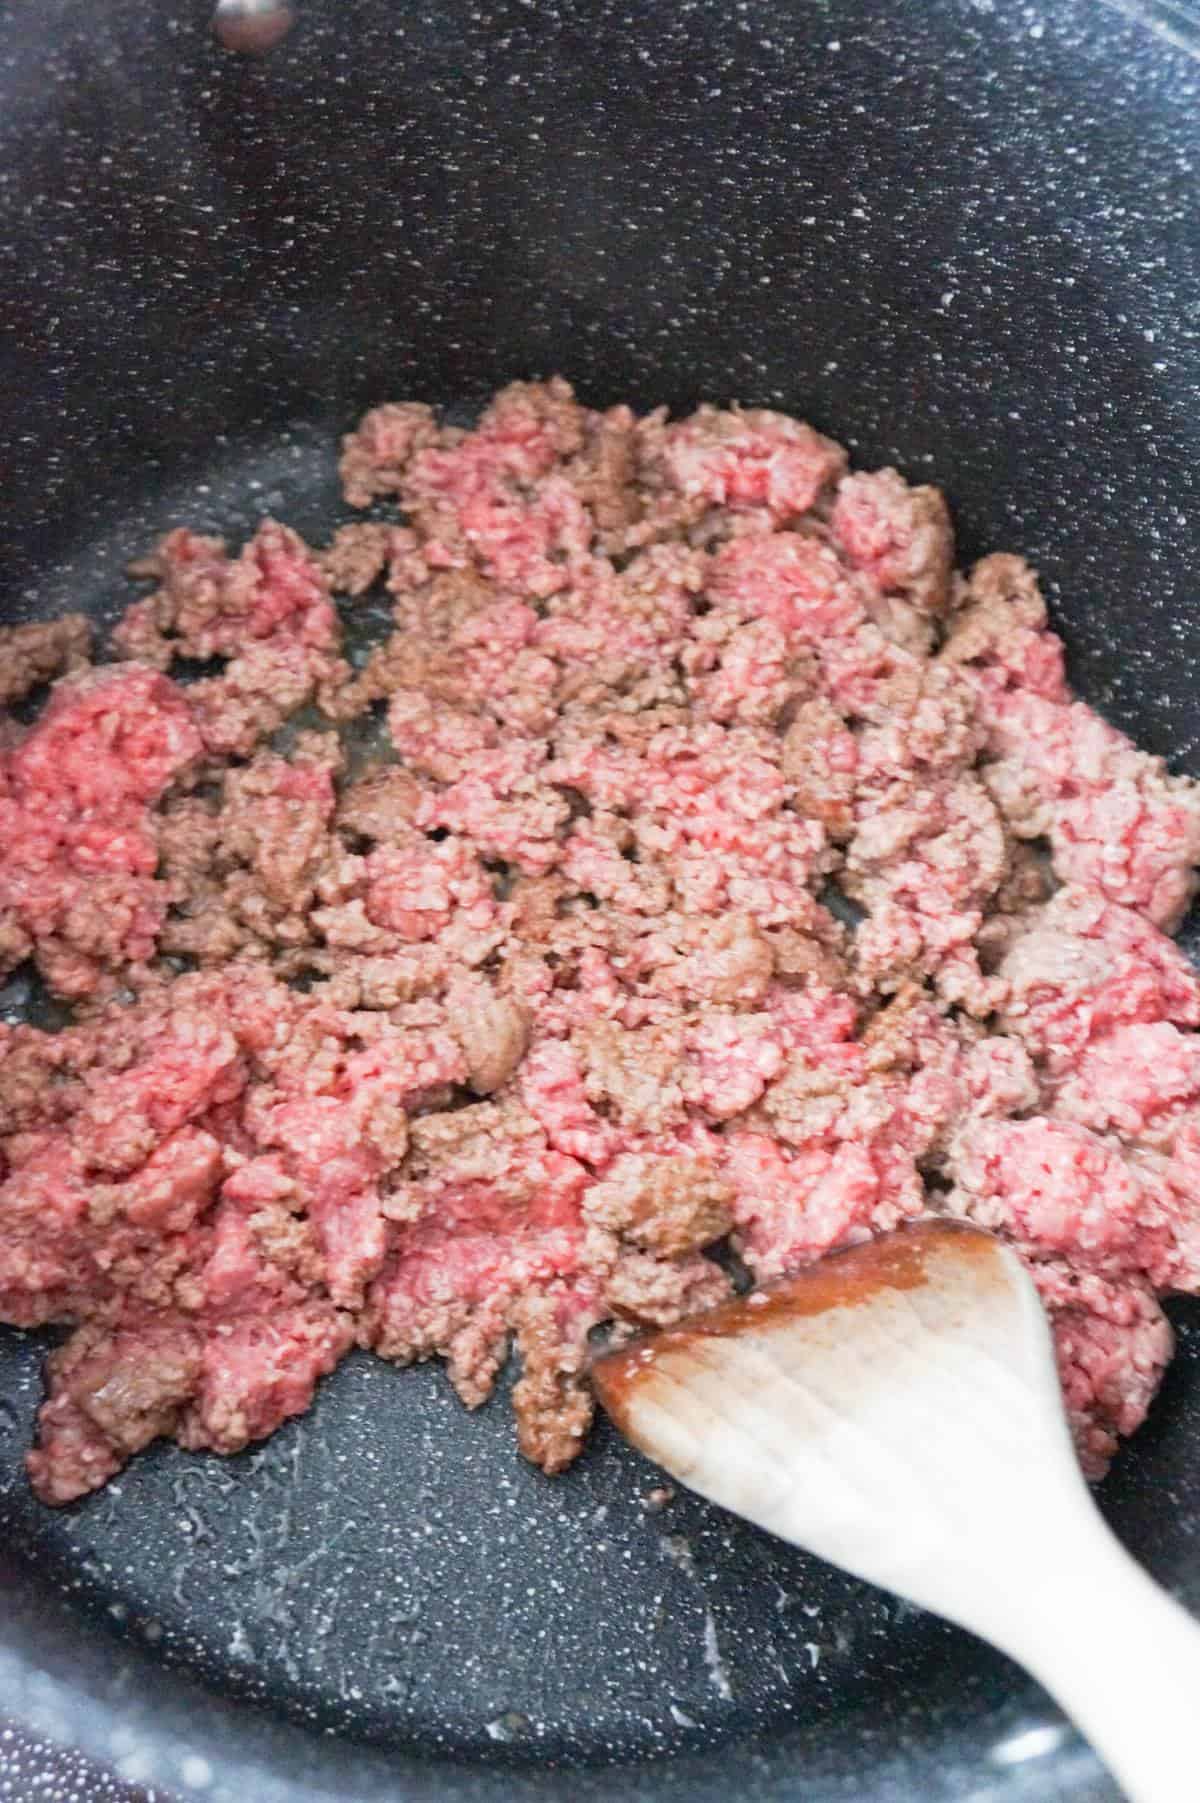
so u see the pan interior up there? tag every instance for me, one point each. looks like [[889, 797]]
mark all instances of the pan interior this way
[[388, 1568], [959, 236]]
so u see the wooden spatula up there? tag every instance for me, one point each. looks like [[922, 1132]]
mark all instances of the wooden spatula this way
[[896, 1409]]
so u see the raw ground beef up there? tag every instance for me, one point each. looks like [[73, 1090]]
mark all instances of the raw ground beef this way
[[497, 1037]]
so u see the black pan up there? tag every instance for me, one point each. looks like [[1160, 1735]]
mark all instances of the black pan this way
[[961, 234]]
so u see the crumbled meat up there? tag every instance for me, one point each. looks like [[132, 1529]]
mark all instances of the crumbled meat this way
[[499, 497], [381, 805], [1113, 1343], [668, 1203], [603, 474], [551, 1399], [114, 1392], [1080, 966], [244, 872], [820, 760], [1061, 1188], [358, 556], [267, 612], [645, 1290], [727, 959], [797, 582], [78, 888], [902, 540], [998, 629], [742, 460], [33, 654], [492, 1029], [375, 457], [1115, 820], [926, 869], [1138, 1081], [210, 605], [260, 1372], [696, 858]]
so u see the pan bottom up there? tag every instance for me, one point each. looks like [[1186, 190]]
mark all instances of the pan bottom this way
[[387, 1568]]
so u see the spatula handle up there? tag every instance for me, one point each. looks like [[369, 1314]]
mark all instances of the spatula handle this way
[[1123, 1660]]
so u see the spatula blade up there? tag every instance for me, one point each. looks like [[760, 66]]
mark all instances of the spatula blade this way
[[865, 1407]]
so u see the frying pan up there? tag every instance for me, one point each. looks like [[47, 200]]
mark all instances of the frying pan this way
[[960, 235]]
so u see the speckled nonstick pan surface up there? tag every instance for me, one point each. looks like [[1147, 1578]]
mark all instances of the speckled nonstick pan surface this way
[[962, 236]]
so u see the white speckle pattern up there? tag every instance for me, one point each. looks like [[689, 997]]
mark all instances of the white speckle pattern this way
[[665, 203]]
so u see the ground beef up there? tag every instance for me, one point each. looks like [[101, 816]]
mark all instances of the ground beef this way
[[1113, 1343], [33, 654], [358, 555], [724, 868], [1079, 967], [664, 1202], [741, 461], [375, 457], [1115, 820], [903, 539], [78, 889], [267, 612]]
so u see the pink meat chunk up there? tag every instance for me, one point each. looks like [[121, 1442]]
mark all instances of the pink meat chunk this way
[[553, 1090], [46, 1254], [798, 583], [1080, 967], [337, 1147], [751, 459], [898, 536], [495, 496], [501, 804], [266, 611], [115, 1391], [497, 1217], [1115, 820], [1062, 1189], [611, 630], [442, 742], [258, 1372], [926, 870], [711, 809], [740, 671], [415, 891], [1135, 1082], [791, 1206], [212, 605], [109, 737], [1113, 1343], [375, 457], [450, 1294], [999, 635], [78, 886]]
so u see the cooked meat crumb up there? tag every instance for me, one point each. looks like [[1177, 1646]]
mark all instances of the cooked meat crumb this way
[[32, 654]]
